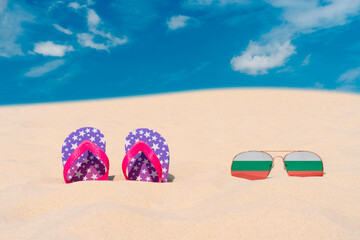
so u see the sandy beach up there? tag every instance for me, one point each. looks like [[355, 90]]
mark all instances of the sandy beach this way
[[204, 131]]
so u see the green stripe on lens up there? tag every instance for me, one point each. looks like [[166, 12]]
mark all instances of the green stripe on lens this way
[[251, 166], [304, 165]]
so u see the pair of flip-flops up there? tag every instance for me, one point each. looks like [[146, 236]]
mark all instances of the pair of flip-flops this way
[[84, 158]]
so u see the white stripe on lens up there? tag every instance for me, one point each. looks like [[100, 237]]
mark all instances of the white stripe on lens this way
[[302, 156], [253, 156]]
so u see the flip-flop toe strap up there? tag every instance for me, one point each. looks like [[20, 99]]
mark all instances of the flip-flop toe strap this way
[[86, 146], [141, 146]]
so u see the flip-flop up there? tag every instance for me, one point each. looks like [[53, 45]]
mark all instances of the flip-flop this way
[[152, 164], [83, 156]]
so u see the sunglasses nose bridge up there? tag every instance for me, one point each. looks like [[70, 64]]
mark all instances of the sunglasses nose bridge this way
[[278, 157]]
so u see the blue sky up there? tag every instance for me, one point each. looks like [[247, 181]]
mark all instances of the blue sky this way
[[87, 49]]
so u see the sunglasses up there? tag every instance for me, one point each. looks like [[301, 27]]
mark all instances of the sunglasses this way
[[256, 165]]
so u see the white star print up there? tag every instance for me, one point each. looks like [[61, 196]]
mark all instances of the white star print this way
[[74, 137], [146, 161], [155, 146], [66, 149], [87, 130], [164, 170], [78, 174], [86, 160], [102, 140], [92, 139], [96, 166], [147, 179], [85, 178], [166, 161], [78, 164], [147, 134], [153, 174], [143, 171], [89, 170], [62, 155], [74, 146], [127, 143], [132, 160], [136, 140], [63, 162], [141, 131], [154, 138], [64, 144], [167, 154], [94, 130], [133, 132], [138, 178], [165, 143], [136, 168], [82, 133], [91, 157], [94, 176]]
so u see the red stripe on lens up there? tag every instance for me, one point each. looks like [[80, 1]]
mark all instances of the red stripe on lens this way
[[306, 173], [250, 175]]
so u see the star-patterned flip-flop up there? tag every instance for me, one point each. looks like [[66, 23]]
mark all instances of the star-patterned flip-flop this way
[[147, 156], [83, 156]]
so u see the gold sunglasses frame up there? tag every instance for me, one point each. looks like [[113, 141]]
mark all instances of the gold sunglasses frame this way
[[282, 157]]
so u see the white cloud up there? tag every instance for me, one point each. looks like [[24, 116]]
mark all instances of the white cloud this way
[[306, 61], [218, 2], [176, 22], [61, 29], [90, 2], [305, 15], [300, 17], [75, 5], [92, 18], [258, 59], [51, 49], [87, 40], [106, 38], [350, 76], [350, 80], [47, 67], [11, 29], [319, 85], [96, 38]]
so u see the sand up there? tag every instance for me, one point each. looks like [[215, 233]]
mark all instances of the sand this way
[[204, 130]]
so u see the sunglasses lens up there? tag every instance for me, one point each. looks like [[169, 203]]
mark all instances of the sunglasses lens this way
[[251, 165], [304, 164]]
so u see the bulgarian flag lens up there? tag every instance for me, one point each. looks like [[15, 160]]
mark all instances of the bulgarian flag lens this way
[[303, 164], [251, 165]]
